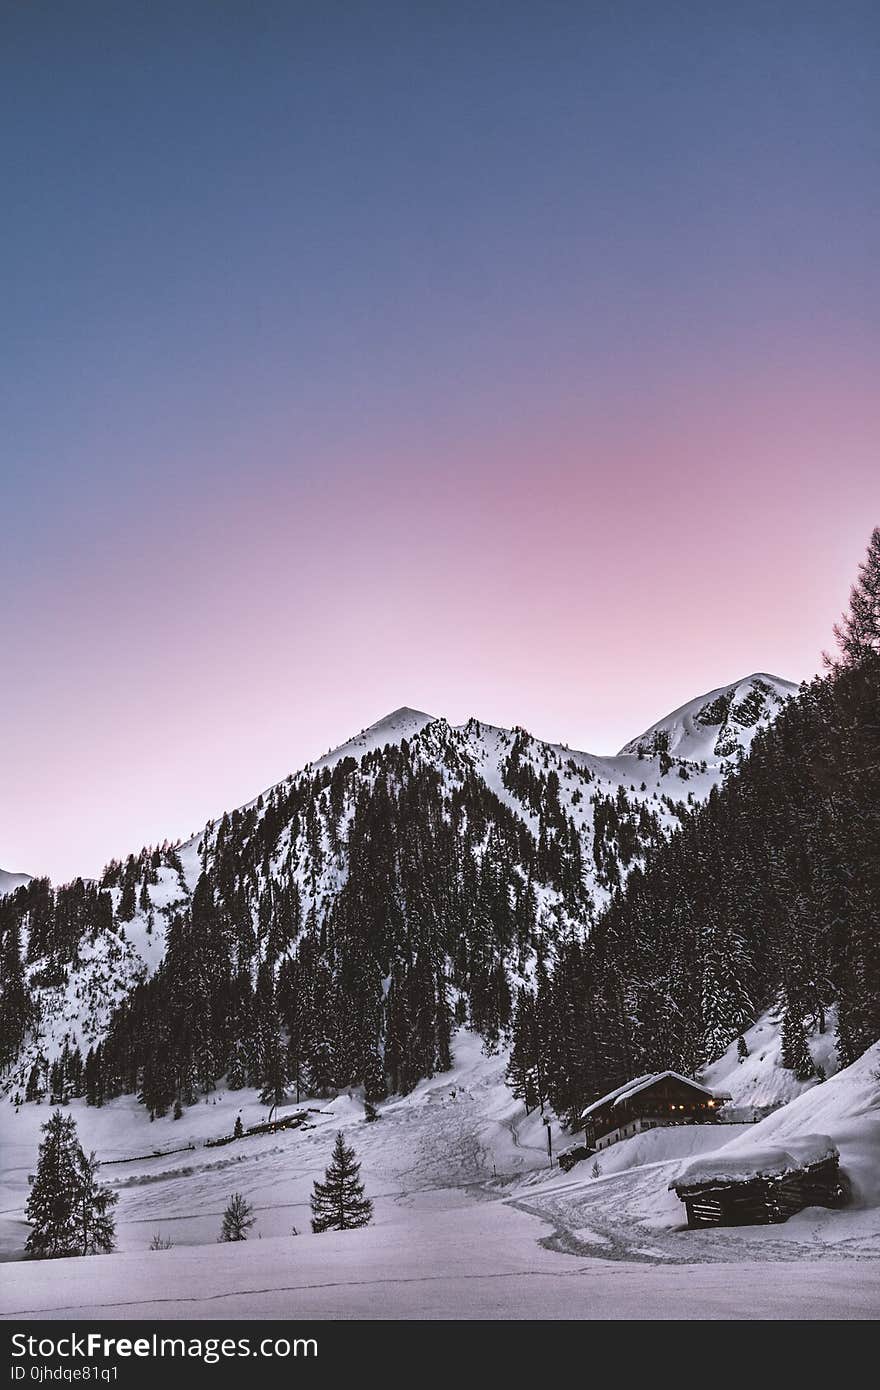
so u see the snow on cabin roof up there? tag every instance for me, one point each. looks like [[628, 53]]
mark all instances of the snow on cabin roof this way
[[641, 1083], [766, 1161]]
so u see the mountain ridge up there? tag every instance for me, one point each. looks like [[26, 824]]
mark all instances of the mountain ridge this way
[[485, 844], [9, 881]]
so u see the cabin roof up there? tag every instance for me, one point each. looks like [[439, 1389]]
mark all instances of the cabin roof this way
[[768, 1161], [641, 1083]]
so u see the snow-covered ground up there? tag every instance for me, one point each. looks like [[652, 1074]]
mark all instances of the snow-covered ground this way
[[469, 1219]]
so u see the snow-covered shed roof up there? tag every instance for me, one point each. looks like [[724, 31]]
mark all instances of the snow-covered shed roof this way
[[641, 1083], [766, 1161]]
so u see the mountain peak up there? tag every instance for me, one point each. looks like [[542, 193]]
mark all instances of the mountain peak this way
[[404, 713], [717, 725], [391, 728]]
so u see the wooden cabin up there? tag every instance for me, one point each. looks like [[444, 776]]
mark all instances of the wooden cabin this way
[[760, 1187], [649, 1102]]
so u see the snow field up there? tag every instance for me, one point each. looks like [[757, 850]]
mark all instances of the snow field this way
[[469, 1219]]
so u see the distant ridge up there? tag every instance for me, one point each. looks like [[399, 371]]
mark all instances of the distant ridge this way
[[9, 881]]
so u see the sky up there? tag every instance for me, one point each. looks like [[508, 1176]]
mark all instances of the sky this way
[[516, 360]]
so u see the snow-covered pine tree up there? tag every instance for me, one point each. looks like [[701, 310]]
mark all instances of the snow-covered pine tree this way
[[795, 1053], [523, 1068], [375, 1087], [67, 1207], [725, 1004], [52, 1200], [273, 1078], [96, 1228], [338, 1203], [237, 1219], [237, 1072], [93, 1077]]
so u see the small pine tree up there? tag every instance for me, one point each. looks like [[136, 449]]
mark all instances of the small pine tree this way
[[238, 1131], [742, 1050], [96, 1227], [338, 1203], [237, 1219], [370, 1111], [67, 1207]]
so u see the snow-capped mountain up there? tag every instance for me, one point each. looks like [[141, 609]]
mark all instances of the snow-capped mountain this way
[[9, 881], [716, 727], [554, 829]]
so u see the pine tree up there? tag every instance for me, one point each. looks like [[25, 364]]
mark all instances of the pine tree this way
[[52, 1200], [338, 1203], [125, 911], [238, 1130], [523, 1066], [237, 1219], [725, 1003], [96, 1228], [93, 1076], [15, 1002], [67, 1207], [236, 1075], [375, 1087], [272, 1071], [795, 1053], [858, 632], [56, 1079], [33, 1089]]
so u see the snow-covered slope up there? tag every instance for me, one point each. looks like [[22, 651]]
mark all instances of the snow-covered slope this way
[[759, 1082], [403, 723], [9, 881], [715, 727]]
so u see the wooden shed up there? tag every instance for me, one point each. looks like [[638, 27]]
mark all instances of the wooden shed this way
[[649, 1102], [762, 1186]]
